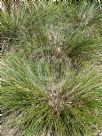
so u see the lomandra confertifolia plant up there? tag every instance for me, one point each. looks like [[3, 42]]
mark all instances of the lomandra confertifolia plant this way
[[51, 84], [38, 101]]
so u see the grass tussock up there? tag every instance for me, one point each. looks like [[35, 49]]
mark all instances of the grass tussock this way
[[36, 101]]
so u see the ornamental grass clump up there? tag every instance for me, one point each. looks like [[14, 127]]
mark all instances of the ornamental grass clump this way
[[39, 29], [37, 102]]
